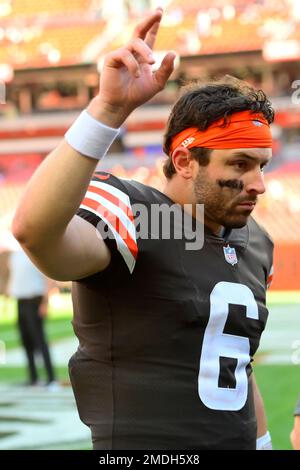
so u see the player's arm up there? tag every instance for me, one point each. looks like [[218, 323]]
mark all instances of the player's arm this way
[[62, 245], [263, 437]]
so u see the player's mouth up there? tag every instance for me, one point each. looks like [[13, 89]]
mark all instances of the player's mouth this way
[[247, 205]]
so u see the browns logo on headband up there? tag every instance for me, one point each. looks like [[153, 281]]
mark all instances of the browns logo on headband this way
[[245, 129]]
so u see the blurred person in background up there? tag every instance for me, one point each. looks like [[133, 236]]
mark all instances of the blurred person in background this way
[[4, 277], [30, 288], [166, 334]]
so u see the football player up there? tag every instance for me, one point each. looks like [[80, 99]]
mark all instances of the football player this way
[[168, 315]]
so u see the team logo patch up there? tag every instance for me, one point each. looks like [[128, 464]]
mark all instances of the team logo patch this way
[[230, 255], [188, 141]]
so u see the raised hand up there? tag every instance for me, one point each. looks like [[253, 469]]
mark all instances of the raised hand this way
[[127, 79]]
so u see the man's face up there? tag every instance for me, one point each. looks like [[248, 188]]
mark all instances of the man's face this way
[[230, 185]]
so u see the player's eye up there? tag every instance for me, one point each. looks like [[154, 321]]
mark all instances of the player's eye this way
[[241, 165]]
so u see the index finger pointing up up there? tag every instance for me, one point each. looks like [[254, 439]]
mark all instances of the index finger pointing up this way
[[148, 28]]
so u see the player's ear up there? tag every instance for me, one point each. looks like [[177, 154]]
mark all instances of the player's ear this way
[[183, 162]]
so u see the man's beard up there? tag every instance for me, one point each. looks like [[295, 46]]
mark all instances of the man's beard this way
[[220, 199]]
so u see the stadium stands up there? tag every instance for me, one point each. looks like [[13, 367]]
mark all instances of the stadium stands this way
[[190, 29], [196, 28], [28, 8]]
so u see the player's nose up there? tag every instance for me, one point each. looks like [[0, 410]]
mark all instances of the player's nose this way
[[256, 182]]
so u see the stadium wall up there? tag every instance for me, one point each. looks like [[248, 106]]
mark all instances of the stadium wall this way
[[286, 267]]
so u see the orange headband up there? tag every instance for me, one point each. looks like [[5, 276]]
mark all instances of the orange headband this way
[[244, 130]]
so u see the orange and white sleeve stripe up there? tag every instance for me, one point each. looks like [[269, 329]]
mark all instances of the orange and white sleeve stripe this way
[[113, 206], [270, 277]]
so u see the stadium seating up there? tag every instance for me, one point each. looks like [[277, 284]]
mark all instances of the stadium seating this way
[[68, 42], [35, 7], [181, 30]]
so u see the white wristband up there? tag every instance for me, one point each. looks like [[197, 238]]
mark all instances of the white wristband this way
[[90, 137], [264, 442]]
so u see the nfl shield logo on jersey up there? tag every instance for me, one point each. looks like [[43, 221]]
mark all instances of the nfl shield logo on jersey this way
[[230, 255]]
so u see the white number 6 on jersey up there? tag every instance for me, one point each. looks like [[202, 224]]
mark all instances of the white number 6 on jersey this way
[[217, 344]]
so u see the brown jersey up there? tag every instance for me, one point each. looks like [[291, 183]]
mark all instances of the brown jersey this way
[[166, 334]]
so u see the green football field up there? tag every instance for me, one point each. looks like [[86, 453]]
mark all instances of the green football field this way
[[277, 364]]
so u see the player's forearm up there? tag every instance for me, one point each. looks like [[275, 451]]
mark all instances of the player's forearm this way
[[111, 116], [263, 441], [52, 196], [259, 409], [295, 434]]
